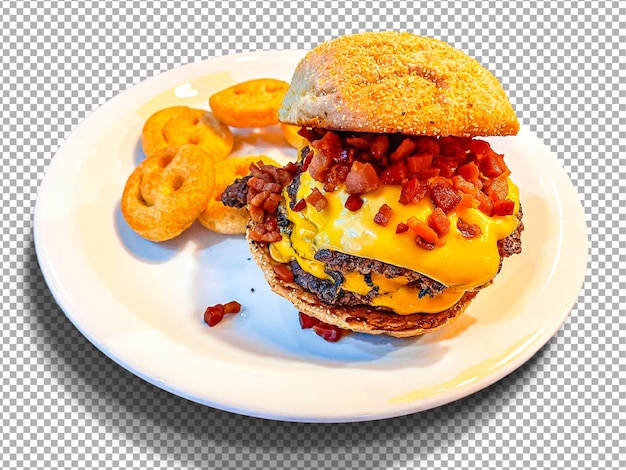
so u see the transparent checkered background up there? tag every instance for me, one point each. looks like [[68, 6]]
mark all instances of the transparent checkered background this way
[[66, 405]]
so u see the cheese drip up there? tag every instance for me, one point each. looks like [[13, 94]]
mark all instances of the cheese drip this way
[[460, 263]]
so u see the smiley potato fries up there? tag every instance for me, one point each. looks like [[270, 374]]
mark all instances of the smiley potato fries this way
[[167, 191], [253, 103], [179, 125], [189, 161], [218, 217], [290, 133]]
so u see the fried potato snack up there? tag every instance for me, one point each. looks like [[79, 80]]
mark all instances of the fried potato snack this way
[[290, 133], [167, 191], [179, 125], [218, 217], [253, 103]]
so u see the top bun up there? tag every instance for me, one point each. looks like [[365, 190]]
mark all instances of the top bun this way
[[391, 82]]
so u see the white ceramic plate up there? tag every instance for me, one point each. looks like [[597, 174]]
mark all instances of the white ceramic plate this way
[[141, 303]]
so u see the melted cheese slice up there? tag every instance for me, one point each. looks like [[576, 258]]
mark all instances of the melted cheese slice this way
[[460, 263]]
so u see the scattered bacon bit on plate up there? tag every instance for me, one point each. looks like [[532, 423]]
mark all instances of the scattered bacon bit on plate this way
[[307, 321], [330, 333], [215, 313]]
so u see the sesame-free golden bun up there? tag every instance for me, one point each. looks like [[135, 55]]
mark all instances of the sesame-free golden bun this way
[[393, 82]]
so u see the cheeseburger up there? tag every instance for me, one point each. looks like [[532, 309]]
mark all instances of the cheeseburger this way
[[396, 213]]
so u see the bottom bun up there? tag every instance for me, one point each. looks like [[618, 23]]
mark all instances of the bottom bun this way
[[358, 318]]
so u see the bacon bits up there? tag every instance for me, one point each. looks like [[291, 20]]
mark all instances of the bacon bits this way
[[265, 186], [361, 179], [455, 173], [283, 272], [353, 202], [317, 200], [299, 206], [215, 313], [383, 215], [468, 230], [439, 222], [364, 161], [506, 207], [307, 321], [423, 231], [396, 173], [402, 227], [330, 333], [413, 190], [444, 196]]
